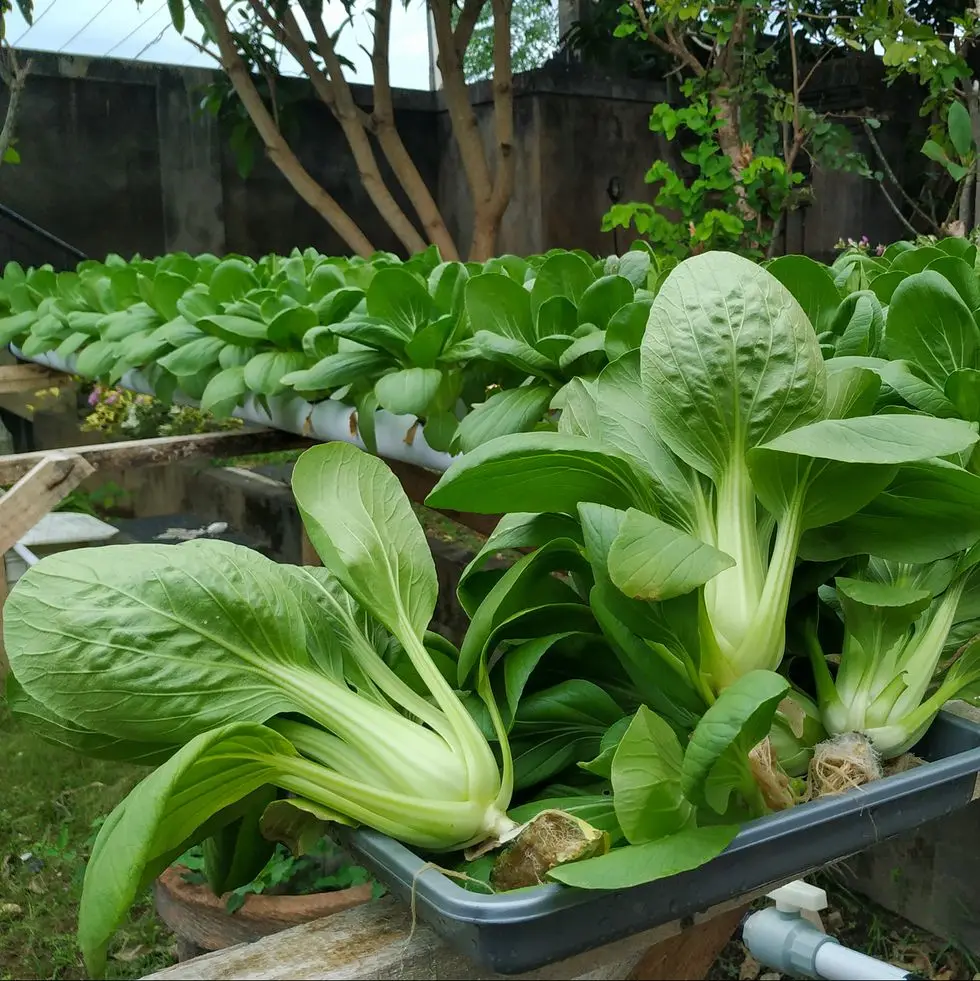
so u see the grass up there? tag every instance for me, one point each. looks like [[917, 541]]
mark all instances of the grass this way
[[444, 529], [252, 460], [50, 808]]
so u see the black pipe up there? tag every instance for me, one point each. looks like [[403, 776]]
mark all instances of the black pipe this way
[[29, 225]]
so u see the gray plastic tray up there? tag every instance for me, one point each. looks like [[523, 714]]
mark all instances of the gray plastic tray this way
[[515, 932]]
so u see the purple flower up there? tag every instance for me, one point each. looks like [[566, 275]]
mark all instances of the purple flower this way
[[112, 398], [93, 397]]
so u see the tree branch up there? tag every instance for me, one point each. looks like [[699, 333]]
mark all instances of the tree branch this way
[[206, 51], [795, 69], [674, 45], [799, 134], [461, 113], [276, 147], [898, 211], [383, 118], [325, 46], [809, 75], [503, 118], [15, 77], [872, 139], [299, 49], [466, 24], [352, 120]]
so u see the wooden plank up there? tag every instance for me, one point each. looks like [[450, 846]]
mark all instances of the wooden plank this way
[[163, 449], [688, 956], [29, 377], [308, 554], [37, 492], [377, 942]]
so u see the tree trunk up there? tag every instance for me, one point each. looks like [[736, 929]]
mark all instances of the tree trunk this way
[[486, 225], [967, 215], [731, 145], [277, 149], [483, 245], [334, 91], [973, 105], [336, 94], [415, 188], [490, 194], [461, 115], [390, 140], [14, 78]]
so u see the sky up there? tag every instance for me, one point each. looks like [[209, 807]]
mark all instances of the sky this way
[[123, 29]]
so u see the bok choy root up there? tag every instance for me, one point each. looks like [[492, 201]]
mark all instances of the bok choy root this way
[[244, 679]]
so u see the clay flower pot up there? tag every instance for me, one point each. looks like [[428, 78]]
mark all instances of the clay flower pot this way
[[202, 923]]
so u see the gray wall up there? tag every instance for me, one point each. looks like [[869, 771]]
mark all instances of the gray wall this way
[[849, 205], [118, 157], [572, 135]]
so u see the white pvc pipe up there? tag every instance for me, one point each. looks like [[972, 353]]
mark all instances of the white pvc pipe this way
[[26, 554], [785, 941], [837, 963], [328, 421]]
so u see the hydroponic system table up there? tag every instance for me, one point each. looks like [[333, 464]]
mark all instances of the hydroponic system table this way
[[379, 941]]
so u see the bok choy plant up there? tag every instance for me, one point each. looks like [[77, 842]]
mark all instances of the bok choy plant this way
[[699, 472], [896, 668], [555, 325], [244, 678]]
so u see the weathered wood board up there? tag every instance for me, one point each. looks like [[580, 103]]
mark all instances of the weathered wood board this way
[[377, 942], [161, 449]]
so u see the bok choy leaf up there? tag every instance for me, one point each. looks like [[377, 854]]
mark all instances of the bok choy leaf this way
[[727, 443], [896, 670], [246, 675]]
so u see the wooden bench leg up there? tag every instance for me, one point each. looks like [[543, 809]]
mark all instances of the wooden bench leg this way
[[688, 956], [37, 492]]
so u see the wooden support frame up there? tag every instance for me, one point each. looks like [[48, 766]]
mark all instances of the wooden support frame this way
[[379, 942], [16, 378], [162, 449], [41, 480], [175, 449], [44, 486]]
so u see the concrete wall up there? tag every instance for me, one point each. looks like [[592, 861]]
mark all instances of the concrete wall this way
[[573, 135], [91, 170], [262, 213], [117, 156]]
